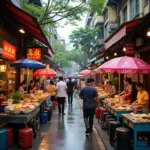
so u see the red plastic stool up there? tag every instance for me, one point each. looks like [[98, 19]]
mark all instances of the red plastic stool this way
[[10, 139], [54, 104], [102, 114], [97, 112], [25, 137]]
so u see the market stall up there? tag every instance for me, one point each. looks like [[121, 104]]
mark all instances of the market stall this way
[[139, 123]]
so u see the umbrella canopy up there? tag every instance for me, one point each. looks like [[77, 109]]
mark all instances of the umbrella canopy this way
[[45, 72], [125, 65], [85, 72], [28, 63]]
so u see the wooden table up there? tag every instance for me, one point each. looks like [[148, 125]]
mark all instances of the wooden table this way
[[136, 126]]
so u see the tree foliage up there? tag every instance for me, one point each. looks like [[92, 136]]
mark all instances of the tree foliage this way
[[55, 10], [62, 56]]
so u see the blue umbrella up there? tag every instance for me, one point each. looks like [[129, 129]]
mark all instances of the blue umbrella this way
[[28, 63]]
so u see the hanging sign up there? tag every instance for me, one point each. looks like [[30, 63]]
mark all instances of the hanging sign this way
[[34, 53], [9, 51], [130, 49]]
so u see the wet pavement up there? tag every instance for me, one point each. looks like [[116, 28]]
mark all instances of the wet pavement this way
[[65, 133]]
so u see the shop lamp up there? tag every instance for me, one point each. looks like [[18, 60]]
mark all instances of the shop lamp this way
[[115, 54], [124, 49], [148, 32], [107, 57], [2, 68], [22, 31]]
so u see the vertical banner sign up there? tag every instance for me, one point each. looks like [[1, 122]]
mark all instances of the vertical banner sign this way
[[34, 53], [9, 51]]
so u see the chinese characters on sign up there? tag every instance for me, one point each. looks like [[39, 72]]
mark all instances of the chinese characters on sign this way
[[9, 51], [34, 53]]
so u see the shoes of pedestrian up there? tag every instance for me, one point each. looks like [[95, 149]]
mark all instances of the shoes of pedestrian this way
[[87, 131]]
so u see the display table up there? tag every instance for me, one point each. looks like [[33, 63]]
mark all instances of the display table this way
[[116, 111], [22, 118], [136, 126]]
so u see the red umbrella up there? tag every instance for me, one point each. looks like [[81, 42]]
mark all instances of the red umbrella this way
[[125, 65], [85, 72], [45, 72]]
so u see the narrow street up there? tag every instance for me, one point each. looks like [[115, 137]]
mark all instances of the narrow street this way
[[65, 133]]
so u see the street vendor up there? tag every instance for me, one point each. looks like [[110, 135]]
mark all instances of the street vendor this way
[[31, 88], [126, 95], [142, 102], [22, 87], [111, 88], [105, 80]]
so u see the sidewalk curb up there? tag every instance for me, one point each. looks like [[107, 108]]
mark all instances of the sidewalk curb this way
[[97, 135]]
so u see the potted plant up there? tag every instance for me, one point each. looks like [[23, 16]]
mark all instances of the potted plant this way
[[17, 96]]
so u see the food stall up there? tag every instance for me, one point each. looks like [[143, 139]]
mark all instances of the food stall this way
[[138, 123], [24, 111]]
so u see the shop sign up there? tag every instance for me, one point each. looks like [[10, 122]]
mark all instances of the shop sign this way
[[34, 53], [9, 51], [130, 49], [118, 36], [99, 60]]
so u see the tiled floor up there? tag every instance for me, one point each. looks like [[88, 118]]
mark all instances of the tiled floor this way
[[65, 133]]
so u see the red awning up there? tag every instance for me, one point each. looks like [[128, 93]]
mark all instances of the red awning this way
[[122, 32], [29, 23]]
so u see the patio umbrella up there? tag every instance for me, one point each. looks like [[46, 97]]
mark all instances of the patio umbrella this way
[[125, 64], [85, 72], [45, 72], [28, 63]]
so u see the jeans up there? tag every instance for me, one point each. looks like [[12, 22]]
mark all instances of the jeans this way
[[70, 97], [88, 117], [61, 103]]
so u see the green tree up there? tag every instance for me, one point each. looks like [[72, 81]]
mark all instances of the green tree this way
[[83, 40], [55, 10], [62, 56]]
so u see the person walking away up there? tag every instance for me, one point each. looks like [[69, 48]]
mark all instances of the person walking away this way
[[83, 83], [61, 92], [51, 89], [70, 90], [89, 95]]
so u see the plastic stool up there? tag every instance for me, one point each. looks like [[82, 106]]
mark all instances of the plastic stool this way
[[123, 139], [102, 114], [112, 128], [25, 137], [10, 136], [105, 125], [97, 112], [43, 118], [3, 139]]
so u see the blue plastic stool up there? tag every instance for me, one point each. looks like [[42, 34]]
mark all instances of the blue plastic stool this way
[[3, 139], [43, 118]]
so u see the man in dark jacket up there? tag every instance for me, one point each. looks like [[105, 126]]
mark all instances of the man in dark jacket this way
[[70, 90], [90, 96]]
